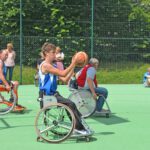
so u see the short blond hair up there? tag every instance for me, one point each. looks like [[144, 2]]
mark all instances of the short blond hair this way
[[10, 45], [46, 48]]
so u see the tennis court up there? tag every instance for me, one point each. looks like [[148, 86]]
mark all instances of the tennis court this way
[[126, 129]]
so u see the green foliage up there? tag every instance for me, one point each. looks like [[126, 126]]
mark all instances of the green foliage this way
[[67, 23]]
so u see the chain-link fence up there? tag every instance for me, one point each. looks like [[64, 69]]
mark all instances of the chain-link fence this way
[[108, 29]]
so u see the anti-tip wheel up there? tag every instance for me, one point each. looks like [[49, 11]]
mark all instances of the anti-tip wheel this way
[[87, 139], [107, 115], [38, 139]]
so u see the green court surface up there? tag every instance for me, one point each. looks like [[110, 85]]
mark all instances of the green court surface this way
[[127, 129]]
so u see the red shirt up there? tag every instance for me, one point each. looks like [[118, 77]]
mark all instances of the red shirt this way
[[82, 77]]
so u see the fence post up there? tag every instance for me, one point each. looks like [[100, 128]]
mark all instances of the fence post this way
[[20, 42], [92, 26]]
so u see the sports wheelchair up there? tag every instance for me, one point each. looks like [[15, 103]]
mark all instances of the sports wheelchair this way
[[36, 79], [85, 102], [7, 100], [55, 122]]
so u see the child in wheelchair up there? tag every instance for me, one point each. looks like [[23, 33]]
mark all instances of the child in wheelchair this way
[[146, 78], [48, 82], [8, 84]]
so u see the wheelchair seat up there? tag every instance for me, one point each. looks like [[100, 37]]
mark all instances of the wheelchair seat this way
[[47, 100]]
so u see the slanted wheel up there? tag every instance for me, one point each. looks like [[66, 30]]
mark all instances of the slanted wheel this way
[[55, 123], [84, 101], [7, 100]]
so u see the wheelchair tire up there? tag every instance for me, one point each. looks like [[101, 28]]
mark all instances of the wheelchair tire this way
[[84, 101], [55, 123], [7, 101]]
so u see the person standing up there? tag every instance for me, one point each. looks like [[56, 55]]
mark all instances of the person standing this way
[[59, 60], [10, 61]]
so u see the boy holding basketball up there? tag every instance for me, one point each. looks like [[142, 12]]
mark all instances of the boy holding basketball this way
[[48, 74]]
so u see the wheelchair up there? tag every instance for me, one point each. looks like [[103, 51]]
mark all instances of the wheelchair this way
[[36, 79], [55, 122], [85, 102], [7, 100]]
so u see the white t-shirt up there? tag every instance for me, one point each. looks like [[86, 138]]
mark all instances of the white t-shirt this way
[[10, 61]]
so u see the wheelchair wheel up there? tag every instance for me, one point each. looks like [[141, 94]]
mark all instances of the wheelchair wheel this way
[[84, 101], [55, 123], [7, 101]]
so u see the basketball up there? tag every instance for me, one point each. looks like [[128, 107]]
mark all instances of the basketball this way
[[81, 58]]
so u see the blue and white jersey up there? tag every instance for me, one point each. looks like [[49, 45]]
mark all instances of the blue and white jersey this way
[[145, 76], [48, 82]]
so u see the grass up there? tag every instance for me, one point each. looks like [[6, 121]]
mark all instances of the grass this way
[[133, 75], [27, 74], [123, 75]]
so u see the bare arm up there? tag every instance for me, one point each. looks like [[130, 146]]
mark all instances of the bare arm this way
[[2, 77], [67, 78], [91, 86], [48, 68]]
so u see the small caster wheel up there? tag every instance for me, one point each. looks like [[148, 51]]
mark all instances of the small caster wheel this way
[[38, 139], [87, 139], [107, 115]]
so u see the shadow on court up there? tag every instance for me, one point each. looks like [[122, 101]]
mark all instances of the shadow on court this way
[[22, 112], [5, 125], [113, 119]]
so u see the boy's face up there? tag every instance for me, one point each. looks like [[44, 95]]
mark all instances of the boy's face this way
[[52, 55]]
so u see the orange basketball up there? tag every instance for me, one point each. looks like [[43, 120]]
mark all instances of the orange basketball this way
[[81, 58]]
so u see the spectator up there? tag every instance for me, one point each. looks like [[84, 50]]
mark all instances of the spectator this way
[[146, 78], [10, 61], [59, 59]]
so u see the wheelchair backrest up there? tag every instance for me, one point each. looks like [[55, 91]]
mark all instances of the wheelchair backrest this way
[[47, 100]]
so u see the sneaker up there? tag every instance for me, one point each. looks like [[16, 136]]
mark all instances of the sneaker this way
[[82, 132], [20, 106], [18, 109], [103, 111]]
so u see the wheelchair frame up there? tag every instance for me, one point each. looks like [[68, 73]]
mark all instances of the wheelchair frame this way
[[7, 100], [85, 102], [55, 122]]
